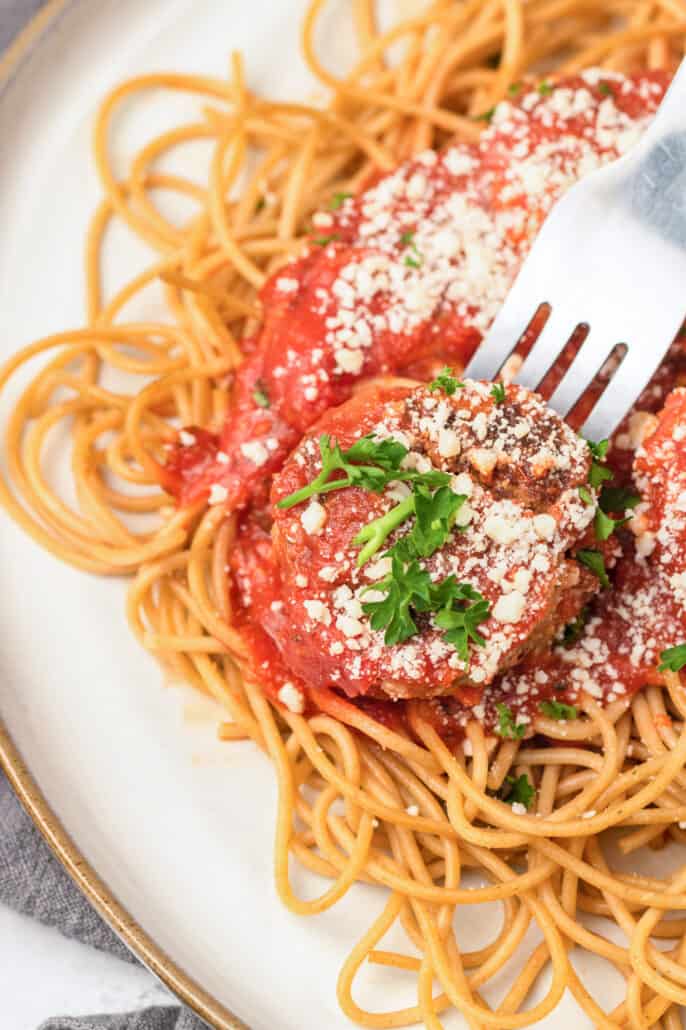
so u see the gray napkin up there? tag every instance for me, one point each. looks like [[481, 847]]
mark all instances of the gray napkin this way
[[34, 883]]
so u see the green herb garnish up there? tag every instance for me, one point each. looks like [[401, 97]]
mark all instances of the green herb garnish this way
[[322, 241], [605, 88], [673, 659], [574, 629], [594, 561], [507, 727], [338, 200], [369, 463], [586, 495], [612, 499], [446, 381], [545, 88], [598, 472], [514, 88], [415, 259], [407, 587], [617, 498], [558, 710], [435, 514], [260, 396], [460, 623], [498, 393], [517, 790], [485, 116]]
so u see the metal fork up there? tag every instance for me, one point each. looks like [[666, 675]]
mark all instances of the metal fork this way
[[610, 256]]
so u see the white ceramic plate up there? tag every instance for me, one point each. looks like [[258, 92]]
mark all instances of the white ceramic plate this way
[[178, 829]]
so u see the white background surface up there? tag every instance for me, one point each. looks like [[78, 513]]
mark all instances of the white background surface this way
[[43, 974]]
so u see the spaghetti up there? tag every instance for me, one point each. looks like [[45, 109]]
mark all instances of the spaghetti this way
[[361, 798]]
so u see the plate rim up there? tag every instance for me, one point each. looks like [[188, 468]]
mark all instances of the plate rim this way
[[138, 941]]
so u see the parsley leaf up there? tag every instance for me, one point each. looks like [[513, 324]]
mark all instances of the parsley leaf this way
[[594, 561], [605, 89], [514, 88], [413, 260], [437, 518], [338, 200], [605, 525], [517, 790], [558, 710], [598, 472], [260, 396], [460, 623], [485, 116], [574, 629], [673, 659], [545, 88], [406, 586], [498, 393], [446, 381], [369, 464], [612, 499], [586, 495], [507, 727], [322, 241], [617, 498]]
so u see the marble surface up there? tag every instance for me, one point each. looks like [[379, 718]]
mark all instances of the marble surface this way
[[43, 974]]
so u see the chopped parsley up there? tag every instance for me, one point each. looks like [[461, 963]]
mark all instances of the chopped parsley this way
[[507, 727], [517, 790], [460, 623], [545, 88], [594, 561], [498, 393], [434, 520], [370, 464], [407, 587], [322, 241], [612, 499], [260, 396], [673, 659], [598, 472], [586, 495], [605, 89], [260, 205], [558, 710], [574, 629], [617, 498], [415, 258], [446, 381], [409, 590], [338, 200], [435, 514], [485, 116], [514, 88]]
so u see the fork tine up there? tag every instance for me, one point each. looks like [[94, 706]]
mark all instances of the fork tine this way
[[581, 373], [549, 345], [502, 338], [633, 375]]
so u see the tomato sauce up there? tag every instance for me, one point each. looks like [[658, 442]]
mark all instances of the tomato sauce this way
[[398, 281]]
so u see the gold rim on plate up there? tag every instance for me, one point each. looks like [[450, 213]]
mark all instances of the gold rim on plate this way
[[98, 893]]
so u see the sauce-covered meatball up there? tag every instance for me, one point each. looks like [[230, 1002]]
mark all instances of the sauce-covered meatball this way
[[440, 568]]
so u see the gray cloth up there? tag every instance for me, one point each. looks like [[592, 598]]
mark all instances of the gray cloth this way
[[33, 882], [14, 14]]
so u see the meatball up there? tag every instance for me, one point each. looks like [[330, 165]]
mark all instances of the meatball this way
[[492, 578]]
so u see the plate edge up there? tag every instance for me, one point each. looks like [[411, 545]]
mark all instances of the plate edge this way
[[20, 778]]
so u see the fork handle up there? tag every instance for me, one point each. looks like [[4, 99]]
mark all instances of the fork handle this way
[[657, 166]]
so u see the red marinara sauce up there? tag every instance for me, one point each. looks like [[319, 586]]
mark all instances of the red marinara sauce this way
[[403, 278]]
